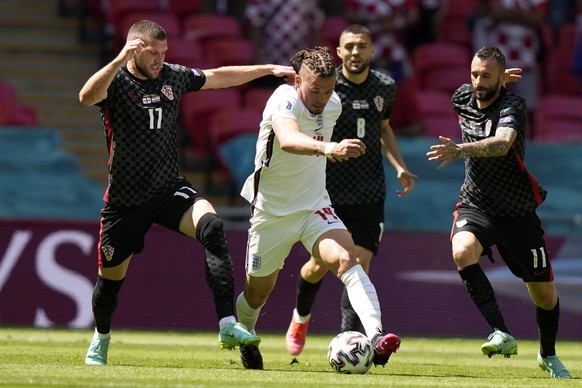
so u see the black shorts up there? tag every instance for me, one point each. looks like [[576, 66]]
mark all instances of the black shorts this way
[[365, 222], [519, 240], [123, 229]]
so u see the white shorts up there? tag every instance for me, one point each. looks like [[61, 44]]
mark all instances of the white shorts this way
[[272, 237]]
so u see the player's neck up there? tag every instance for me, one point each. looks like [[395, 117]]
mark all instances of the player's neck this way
[[356, 78]]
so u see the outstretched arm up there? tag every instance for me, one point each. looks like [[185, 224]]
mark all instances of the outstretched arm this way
[[227, 76], [497, 145]]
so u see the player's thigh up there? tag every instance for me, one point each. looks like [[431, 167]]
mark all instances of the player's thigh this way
[[121, 235], [336, 249], [522, 246], [180, 208], [269, 242]]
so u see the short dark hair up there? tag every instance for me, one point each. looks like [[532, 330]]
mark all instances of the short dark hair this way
[[319, 60], [357, 29], [147, 28], [492, 53]]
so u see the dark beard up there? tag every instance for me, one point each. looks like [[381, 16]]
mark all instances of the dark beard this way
[[143, 71], [489, 94]]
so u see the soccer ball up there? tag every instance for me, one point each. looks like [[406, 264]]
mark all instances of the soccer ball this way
[[350, 352]]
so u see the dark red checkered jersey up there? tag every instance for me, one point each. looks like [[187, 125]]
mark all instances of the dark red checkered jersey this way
[[139, 120], [499, 186], [364, 106]]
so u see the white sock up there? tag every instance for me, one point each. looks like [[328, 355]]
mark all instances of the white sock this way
[[364, 299], [247, 315], [103, 336], [298, 318], [225, 321]]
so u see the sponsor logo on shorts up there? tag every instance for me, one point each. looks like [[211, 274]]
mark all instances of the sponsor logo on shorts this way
[[107, 252], [256, 262], [461, 223]]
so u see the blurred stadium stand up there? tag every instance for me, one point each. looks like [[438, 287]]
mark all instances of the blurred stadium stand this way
[[429, 207], [38, 180], [53, 53]]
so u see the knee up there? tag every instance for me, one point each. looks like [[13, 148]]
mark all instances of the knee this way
[[464, 255], [545, 296], [345, 263], [313, 271], [209, 228]]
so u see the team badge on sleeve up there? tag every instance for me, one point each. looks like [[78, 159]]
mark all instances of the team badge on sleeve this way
[[167, 90], [285, 105], [508, 120]]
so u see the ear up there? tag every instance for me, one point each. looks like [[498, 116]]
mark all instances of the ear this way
[[297, 80]]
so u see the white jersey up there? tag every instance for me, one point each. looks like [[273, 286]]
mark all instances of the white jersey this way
[[282, 182]]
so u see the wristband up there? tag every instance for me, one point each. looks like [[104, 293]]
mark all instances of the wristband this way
[[329, 148]]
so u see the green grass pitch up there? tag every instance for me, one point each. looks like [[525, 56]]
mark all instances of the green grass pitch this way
[[55, 358]]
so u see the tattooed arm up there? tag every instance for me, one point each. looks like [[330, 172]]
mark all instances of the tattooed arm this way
[[497, 145]]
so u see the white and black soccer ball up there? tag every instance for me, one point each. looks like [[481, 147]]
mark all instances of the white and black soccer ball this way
[[350, 352]]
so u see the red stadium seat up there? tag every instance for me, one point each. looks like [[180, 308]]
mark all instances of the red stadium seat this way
[[256, 98], [438, 114], [169, 23], [231, 122], [11, 111], [201, 27], [566, 131], [454, 27], [183, 8], [188, 53], [234, 132], [461, 9], [442, 126], [444, 79], [230, 51], [430, 57], [115, 10], [331, 30], [197, 109], [568, 35], [558, 117], [455, 31], [561, 78]]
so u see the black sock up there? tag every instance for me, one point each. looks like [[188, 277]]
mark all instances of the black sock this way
[[548, 321], [104, 302], [218, 266], [306, 293], [350, 320], [481, 292]]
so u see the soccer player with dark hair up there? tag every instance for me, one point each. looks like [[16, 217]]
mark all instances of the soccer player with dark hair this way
[[497, 206], [138, 95], [357, 187], [289, 201]]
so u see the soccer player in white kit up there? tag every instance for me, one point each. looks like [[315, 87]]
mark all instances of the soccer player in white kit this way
[[289, 201]]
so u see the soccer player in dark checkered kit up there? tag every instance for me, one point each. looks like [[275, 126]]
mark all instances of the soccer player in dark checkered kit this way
[[138, 95], [357, 187], [497, 206]]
